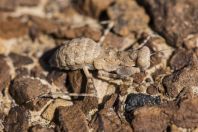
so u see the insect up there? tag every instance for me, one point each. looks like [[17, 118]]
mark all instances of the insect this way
[[84, 53]]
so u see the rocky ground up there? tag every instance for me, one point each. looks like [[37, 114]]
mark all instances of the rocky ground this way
[[163, 97]]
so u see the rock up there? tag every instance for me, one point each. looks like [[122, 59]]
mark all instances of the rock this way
[[48, 114], [44, 25], [129, 17], [135, 101], [21, 71], [17, 120], [111, 122], [118, 42], [20, 60], [150, 119], [185, 78], [181, 59], [71, 118], [58, 78], [152, 89], [76, 32], [89, 106], [187, 114], [94, 8], [28, 2], [25, 91], [5, 76], [38, 128], [12, 28], [175, 20], [38, 72], [77, 81], [139, 77], [7, 5]]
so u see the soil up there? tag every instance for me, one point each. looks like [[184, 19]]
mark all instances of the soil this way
[[37, 97]]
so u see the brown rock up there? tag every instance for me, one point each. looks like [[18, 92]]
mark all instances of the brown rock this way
[[150, 119], [118, 42], [38, 128], [110, 122], [38, 72], [95, 7], [152, 89], [58, 78], [25, 89], [185, 78], [5, 76], [7, 5], [187, 114], [88, 105], [28, 2], [180, 59], [77, 81], [12, 28], [175, 20], [44, 25], [139, 77], [21, 71], [17, 120], [48, 113], [76, 32], [20, 60], [71, 118], [128, 17]]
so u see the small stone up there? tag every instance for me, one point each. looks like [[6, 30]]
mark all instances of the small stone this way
[[152, 89], [184, 78], [150, 119], [7, 5], [129, 17], [94, 8], [44, 25], [58, 78], [38, 72], [17, 120], [111, 122], [25, 89], [39, 128], [84, 31], [12, 28], [135, 101], [187, 114], [21, 71], [77, 81], [139, 77], [20, 60], [28, 2], [48, 114], [88, 105], [181, 59], [117, 42], [71, 118], [175, 20]]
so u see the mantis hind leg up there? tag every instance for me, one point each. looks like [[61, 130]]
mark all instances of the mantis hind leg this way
[[90, 82]]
